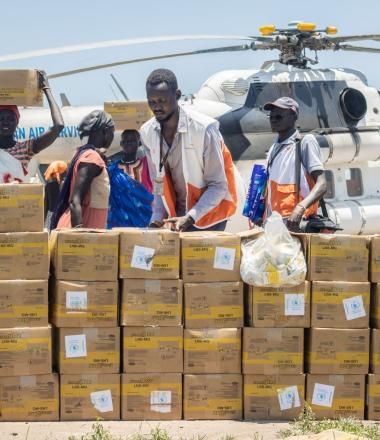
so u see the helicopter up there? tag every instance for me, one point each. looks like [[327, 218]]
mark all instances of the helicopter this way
[[336, 104]]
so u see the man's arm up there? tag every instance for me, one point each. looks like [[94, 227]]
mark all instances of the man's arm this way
[[51, 135], [312, 161], [159, 212], [86, 174], [314, 196]]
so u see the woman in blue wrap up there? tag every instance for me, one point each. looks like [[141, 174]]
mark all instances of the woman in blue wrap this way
[[131, 200]]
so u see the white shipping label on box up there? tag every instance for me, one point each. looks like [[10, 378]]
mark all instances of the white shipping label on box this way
[[294, 304], [323, 395], [224, 258], [76, 300], [288, 398], [102, 401], [75, 346], [354, 307], [160, 401], [142, 258]]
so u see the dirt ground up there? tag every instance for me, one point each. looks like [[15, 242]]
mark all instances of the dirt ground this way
[[214, 430]]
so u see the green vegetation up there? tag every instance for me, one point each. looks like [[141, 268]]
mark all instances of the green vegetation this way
[[98, 432], [307, 424]]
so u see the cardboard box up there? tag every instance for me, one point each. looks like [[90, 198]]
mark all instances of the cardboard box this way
[[214, 305], [210, 257], [337, 351], [335, 257], [24, 303], [273, 350], [273, 397], [29, 398], [151, 302], [90, 396], [149, 254], [88, 350], [151, 396], [129, 115], [337, 304], [375, 305], [20, 87], [24, 256], [212, 350], [334, 396], [373, 397], [213, 397], [84, 254], [21, 207], [84, 304], [374, 263], [25, 351], [152, 350], [278, 307], [374, 358]]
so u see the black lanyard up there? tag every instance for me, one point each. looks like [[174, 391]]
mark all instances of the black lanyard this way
[[164, 159]]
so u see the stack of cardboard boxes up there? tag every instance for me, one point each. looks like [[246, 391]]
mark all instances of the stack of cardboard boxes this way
[[213, 299], [84, 311], [182, 346], [28, 388], [152, 332], [273, 351], [338, 343], [373, 382]]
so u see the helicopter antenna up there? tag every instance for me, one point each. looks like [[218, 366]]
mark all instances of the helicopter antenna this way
[[118, 85], [114, 93]]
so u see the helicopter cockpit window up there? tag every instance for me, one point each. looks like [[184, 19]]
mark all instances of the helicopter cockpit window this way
[[330, 191], [354, 182]]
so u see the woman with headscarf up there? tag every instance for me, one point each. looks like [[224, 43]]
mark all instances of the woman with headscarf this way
[[15, 156], [53, 177], [83, 200]]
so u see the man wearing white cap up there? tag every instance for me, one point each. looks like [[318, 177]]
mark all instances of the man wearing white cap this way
[[292, 193]]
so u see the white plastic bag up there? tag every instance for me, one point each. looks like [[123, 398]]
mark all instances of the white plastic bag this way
[[275, 259]]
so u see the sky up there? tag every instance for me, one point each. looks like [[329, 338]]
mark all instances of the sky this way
[[39, 24]]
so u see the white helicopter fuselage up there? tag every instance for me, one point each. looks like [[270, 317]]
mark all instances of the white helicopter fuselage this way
[[235, 98]]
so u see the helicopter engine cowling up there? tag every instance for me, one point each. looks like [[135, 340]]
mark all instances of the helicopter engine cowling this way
[[342, 145]]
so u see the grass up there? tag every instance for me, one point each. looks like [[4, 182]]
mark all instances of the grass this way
[[98, 432], [307, 424]]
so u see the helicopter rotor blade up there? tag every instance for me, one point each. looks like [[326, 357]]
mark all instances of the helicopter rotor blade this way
[[115, 43], [373, 37], [350, 48], [152, 58]]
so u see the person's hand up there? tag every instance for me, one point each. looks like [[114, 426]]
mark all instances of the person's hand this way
[[180, 224], [293, 223], [156, 225], [43, 79]]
